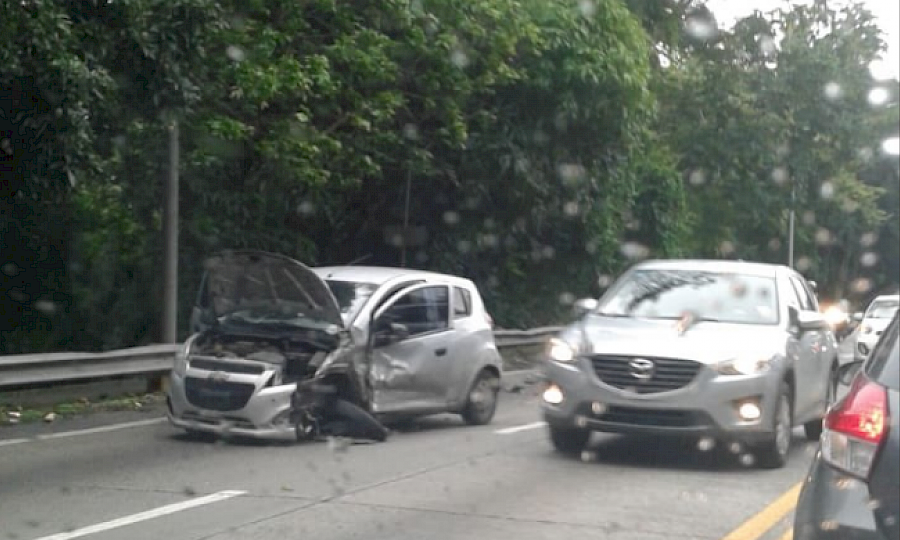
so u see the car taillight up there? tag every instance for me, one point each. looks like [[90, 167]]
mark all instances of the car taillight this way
[[854, 428]]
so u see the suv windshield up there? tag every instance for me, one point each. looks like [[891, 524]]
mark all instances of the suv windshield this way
[[351, 296], [669, 294], [883, 309]]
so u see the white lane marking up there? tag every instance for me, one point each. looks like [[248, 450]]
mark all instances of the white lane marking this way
[[10, 442], [516, 429], [101, 429], [144, 516]]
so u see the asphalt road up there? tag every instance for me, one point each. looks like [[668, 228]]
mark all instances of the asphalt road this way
[[131, 476]]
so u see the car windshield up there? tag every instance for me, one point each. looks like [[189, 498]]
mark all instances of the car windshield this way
[[884, 309], [351, 296], [670, 294]]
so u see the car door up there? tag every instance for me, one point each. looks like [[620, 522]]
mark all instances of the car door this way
[[412, 374], [811, 368]]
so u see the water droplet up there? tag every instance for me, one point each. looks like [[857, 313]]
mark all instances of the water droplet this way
[[588, 456], [782, 150], [464, 246], [878, 96], [548, 252], [833, 91], [590, 247], [829, 525], [634, 250], [421, 257], [868, 239], [774, 244], [809, 217], [890, 520], [780, 175], [747, 460], [823, 236], [697, 177], [459, 58], [567, 299], [735, 448], [803, 264], [571, 209], [873, 504], [827, 190], [571, 173], [306, 208], [604, 281], [701, 27], [861, 285], [451, 217], [10, 269], [766, 45], [706, 444], [490, 240], [891, 146], [587, 8], [868, 259], [411, 132], [235, 53], [865, 153], [726, 248], [598, 408]]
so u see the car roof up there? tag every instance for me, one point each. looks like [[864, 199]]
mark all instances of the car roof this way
[[715, 265], [887, 297], [380, 274]]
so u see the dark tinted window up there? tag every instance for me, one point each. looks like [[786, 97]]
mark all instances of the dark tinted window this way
[[351, 295], [423, 310], [462, 303], [884, 365]]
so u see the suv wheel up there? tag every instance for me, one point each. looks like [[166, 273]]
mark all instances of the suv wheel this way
[[482, 401], [568, 440], [813, 429], [773, 453]]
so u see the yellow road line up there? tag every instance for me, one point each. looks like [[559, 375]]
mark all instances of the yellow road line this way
[[762, 522], [788, 535]]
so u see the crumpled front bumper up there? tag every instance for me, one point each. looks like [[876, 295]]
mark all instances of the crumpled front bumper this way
[[265, 415]]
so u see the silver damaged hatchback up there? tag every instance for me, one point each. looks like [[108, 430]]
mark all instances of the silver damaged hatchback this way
[[412, 343], [723, 350]]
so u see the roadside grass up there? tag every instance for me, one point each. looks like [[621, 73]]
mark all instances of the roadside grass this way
[[11, 414]]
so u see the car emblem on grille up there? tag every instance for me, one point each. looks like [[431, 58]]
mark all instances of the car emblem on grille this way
[[641, 368], [218, 376]]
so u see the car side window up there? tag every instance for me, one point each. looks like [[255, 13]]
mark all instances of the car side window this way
[[422, 311], [806, 302], [462, 303]]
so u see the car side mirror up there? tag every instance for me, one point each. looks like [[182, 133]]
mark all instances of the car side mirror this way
[[847, 372], [585, 306], [811, 320], [387, 333]]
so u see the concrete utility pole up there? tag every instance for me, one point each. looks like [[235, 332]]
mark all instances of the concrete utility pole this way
[[170, 242], [791, 225]]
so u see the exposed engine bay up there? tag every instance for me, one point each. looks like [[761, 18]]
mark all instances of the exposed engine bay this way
[[292, 359]]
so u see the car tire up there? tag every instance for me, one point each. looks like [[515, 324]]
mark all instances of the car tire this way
[[773, 452], [481, 403], [813, 429], [568, 440]]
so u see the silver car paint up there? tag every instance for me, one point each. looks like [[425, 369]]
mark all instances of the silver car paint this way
[[709, 343], [403, 379]]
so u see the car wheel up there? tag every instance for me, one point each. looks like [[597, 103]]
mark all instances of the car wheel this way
[[773, 453], [482, 401], [568, 440], [813, 429]]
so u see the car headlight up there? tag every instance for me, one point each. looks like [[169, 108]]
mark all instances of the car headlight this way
[[744, 365], [561, 351], [180, 367]]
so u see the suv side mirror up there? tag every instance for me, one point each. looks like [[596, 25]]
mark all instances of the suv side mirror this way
[[584, 306], [847, 372]]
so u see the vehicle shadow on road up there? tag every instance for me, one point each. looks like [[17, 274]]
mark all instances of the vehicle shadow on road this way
[[647, 451]]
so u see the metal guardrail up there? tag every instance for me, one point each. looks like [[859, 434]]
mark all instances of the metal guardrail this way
[[36, 370]]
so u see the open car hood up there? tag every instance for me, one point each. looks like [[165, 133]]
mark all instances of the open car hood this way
[[262, 285]]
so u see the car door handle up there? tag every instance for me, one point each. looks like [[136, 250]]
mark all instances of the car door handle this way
[[440, 352]]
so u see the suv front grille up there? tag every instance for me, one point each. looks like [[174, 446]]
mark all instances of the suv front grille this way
[[634, 416], [215, 364], [666, 374], [217, 395]]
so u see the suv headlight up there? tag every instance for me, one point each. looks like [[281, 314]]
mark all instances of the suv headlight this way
[[744, 365], [561, 351]]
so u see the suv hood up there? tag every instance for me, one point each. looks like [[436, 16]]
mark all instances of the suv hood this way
[[704, 342], [267, 287]]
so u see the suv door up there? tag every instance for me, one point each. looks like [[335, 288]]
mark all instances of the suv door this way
[[412, 373], [811, 372]]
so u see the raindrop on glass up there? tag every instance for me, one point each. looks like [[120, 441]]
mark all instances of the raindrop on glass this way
[[459, 58], [604, 281], [868, 239], [735, 448], [809, 217], [45, 306], [588, 456], [701, 28], [774, 244], [451, 217], [464, 246], [878, 96], [10, 269], [567, 299], [235, 53], [306, 208], [490, 240], [706, 444], [570, 172], [766, 45], [861, 285], [726, 247], [587, 8], [823, 236], [827, 190], [548, 252], [780, 175], [803, 264], [571, 209], [747, 460], [833, 91], [411, 132], [891, 146], [590, 247], [634, 250], [868, 259], [697, 177]]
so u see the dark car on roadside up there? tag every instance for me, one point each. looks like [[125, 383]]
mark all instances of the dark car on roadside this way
[[852, 488]]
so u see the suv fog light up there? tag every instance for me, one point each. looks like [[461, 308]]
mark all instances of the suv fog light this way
[[749, 410], [553, 395]]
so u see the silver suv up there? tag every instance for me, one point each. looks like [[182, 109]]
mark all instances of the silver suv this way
[[735, 351], [404, 342]]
